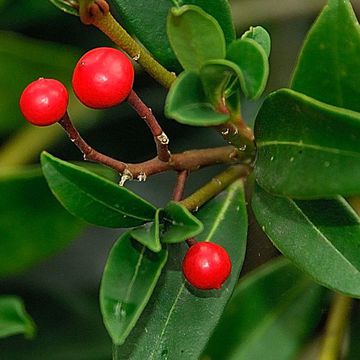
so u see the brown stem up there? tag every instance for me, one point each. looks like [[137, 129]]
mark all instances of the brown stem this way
[[188, 160], [180, 185], [160, 138]]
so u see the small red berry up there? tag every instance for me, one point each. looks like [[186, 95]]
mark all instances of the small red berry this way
[[103, 78], [44, 102], [206, 265]]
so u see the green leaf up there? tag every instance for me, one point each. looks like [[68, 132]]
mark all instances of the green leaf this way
[[67, 6], [93, 198], [195, 36], [321, 237], [261, 36], [187, 103], [180, 224], [273, 311], [14, 319], [149, 234], [33, 225], [129, 278], [303, 146], [327, 67], [176, 310], [220, 79], [146, 19], [252, 60]]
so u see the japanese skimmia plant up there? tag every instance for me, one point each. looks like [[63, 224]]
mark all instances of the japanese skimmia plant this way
[[170, 287]]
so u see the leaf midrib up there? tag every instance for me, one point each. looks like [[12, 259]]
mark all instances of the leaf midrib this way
[[309, 146]]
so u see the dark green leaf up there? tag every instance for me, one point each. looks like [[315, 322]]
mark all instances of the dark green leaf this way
[[188, 104], [93, 198], [13, 318], [261, 36], [220, 80], [149, 234], [33, 225], [180, 224], [146, 19], [252, 60], [178, 320], [129, 278], [195, 36], [272, 311], [69, 6], [303, 146], [330, 59], [322, 237]]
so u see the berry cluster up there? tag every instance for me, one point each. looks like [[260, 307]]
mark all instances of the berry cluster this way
[[103, 78]]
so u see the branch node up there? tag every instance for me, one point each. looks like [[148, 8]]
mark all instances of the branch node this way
[[125, 176]]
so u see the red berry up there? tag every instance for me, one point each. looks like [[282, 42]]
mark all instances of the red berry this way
[[206, 265], [44, 102], [103, 77]]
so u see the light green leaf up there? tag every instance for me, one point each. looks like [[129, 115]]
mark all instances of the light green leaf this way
[[129, 278], [67, 6], [329, 61], [321, 237], [187, 103], [33, 225], [149, 234], [179, 224], [220, 81], [93, 198], [261, 36], [13, 318], [252, 60], [303, 146], [146, 19], [195, 36], [176, 310], [273, 311]]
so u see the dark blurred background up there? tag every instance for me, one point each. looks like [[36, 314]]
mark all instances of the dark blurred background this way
[[37, 39]]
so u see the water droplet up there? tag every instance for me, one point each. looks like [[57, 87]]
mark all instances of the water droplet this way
[[84, 157], [196, 209], [82, 63], [72, 140], [326, 163], [263, 228], [163, 138], [225, 132], [272, 158], [137, 56], [292, 159], [242, 148]]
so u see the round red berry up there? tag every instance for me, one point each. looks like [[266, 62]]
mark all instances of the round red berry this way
[[206, 265], [103, 78], [44, 102]]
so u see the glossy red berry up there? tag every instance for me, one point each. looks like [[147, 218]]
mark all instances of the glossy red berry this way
[[44, 102], [103, 78], [206, 265]]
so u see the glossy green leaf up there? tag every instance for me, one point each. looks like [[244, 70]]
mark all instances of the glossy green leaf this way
[[178, 319], [187, 103], [14, 319], [179, 224], [93, 198], [273, 311], [33, 225], [67, 6], [195, 36], [321, 237], [303, 146], [252, 60], [149, 234], [129, 278], [327, 67], [220, 80], [147, 19], [23, 60], [261, 36]]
